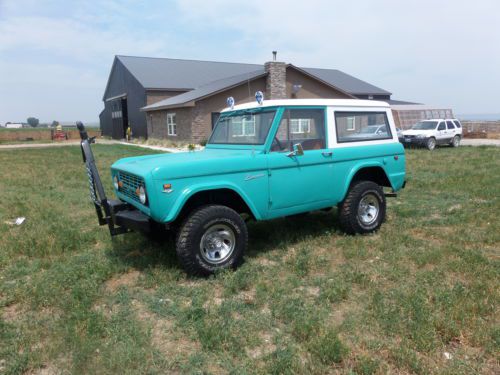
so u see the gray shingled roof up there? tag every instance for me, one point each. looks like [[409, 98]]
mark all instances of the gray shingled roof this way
[[346, 82], [206, 90], [161, 73]]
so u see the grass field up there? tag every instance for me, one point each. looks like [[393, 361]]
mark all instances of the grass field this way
[[420, 296]]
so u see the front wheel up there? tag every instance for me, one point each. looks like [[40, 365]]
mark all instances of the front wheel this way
[[363, 210], [211, 238]]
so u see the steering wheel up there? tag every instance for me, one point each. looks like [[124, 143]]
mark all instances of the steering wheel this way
[[277, 141]]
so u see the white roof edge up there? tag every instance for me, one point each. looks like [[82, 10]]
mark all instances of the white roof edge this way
[[311, 102]]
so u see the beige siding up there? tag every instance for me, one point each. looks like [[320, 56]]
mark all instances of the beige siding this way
[[157, 124]]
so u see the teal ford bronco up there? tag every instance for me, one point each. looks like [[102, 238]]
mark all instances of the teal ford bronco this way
[[264, 160]]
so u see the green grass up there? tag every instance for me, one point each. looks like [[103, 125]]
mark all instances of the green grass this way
[[307, 300]]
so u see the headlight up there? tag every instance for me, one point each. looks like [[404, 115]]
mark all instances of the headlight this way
[[142, 195], [421, 136], [116, 182]]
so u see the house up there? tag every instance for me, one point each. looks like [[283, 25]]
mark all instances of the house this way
[[181, 99], [13, 125]]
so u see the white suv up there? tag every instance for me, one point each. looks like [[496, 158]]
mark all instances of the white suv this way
[[430, 133]]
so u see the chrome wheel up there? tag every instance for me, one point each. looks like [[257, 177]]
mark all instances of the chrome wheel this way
[[368, 209], [217, 243], [456, 141]]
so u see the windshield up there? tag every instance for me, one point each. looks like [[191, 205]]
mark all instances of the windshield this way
[[425, 125], [243, 128]]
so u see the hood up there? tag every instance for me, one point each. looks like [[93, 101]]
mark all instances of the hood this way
[[191, 164], [417, 132]]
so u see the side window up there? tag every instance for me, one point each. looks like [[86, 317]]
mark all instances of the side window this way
[[362, 126], [457, 123], [304, 126], [450, 125], [442, 126]]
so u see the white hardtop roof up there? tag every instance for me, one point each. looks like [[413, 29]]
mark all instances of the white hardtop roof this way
[[310, 102], [440, 119]]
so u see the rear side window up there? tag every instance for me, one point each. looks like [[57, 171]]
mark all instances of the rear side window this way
[[450, 125], [362, 126], [457, 123]]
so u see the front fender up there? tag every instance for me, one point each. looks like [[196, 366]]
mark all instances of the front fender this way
[[193, 189]]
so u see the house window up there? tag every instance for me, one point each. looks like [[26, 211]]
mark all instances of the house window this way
[[351, 123], [171, 124], [244, 126], [300, 125]]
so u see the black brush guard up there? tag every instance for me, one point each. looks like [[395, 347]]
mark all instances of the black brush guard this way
[[120, 217]]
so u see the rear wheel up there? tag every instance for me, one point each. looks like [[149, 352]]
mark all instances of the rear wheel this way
[[431, 144], [211, 238], [455, 142], [363, 210]]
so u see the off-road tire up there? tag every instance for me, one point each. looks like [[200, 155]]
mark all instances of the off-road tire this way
[[455, 142], [430, 144], [191, 233], [349, 217]]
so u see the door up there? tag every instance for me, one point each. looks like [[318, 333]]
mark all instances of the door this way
[[441, 133], [450, 128], [299, 182]]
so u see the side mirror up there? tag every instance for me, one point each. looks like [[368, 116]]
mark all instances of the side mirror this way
[[297, 150]]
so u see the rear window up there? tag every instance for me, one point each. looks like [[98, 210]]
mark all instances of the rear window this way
[[450, 125], [362, 126], [457, 123]]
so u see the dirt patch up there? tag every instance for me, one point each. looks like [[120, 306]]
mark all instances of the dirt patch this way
[[266, 347], [126, 279], [12, 312], [163, 334]]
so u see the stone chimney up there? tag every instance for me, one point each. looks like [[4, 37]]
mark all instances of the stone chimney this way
[[276, 79]]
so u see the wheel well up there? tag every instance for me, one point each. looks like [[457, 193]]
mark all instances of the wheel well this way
[[224, 197], [375, 174]]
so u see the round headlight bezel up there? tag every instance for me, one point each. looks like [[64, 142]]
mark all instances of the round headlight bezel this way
[[143, 198], [116, 182]]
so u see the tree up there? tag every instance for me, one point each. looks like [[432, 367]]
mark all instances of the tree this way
[[33, 122], [55, 123]]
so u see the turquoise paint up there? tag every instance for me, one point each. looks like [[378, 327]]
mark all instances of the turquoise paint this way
[[271, 183]]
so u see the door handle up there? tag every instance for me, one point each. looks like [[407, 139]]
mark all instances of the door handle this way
[[327, 153]]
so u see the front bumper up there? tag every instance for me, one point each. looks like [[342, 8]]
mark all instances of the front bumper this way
[[413, 141], [126, 217]]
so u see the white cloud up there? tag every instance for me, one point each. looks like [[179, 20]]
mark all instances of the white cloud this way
[[439, 52]]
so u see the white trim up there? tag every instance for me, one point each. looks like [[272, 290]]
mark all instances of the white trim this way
[[117, 97], [311, 102], [173, 123], [332, 133]]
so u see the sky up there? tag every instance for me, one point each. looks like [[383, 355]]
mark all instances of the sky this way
[[55, 56]]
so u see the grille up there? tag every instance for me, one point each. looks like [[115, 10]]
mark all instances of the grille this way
[[130, 185]]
